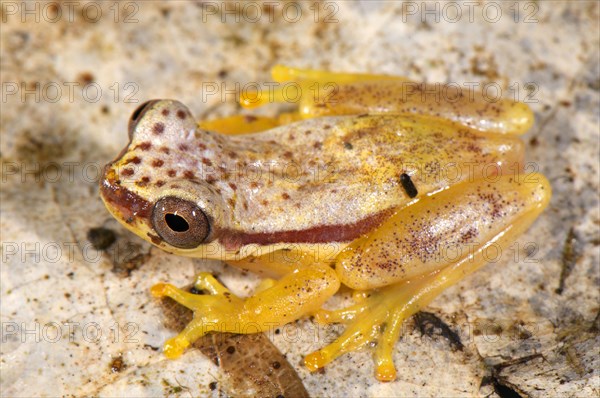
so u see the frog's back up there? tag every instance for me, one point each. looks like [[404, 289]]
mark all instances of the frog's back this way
[[346, 172]]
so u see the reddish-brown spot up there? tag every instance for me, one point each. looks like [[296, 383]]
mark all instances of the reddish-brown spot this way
[[154, 238], [250, 118], [231, 202], [317, 145], [253, 185], [171, 173], [144, 146], [201, 146], [326, 127], [127, 172], [265, 202], [232, 186], [157, 163], [134, 160], [245, 206], [158, 128], [232, 155], [285, 196], [206, 161], [181, 114], [165, 112], [160, 183], [165, 150], [145, 179], [183, 147], [287, 155], [189, 174], [210, 179]]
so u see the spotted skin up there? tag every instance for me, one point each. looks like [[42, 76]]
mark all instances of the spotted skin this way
[[395, 197]]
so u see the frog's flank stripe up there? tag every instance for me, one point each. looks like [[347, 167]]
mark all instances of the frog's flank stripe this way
[[233, 240]]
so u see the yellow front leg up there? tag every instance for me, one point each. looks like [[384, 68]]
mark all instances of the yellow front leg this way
[[297, 294], [422, 250]]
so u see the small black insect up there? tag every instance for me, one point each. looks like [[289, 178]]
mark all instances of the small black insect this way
[[408, 185]]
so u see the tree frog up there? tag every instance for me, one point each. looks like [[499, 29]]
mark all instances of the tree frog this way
[[394, 189]]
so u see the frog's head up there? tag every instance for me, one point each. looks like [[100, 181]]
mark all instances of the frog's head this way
[[157, 186]]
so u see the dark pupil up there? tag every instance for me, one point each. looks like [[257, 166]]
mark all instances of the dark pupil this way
[[176, 223]]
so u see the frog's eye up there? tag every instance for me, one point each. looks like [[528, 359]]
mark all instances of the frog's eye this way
[[179, 222], [137, 115]]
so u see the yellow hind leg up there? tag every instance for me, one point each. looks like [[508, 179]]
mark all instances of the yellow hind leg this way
[[321, 93], [420, 251]]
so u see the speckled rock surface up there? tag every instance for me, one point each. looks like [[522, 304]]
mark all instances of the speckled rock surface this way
[[79, 321]]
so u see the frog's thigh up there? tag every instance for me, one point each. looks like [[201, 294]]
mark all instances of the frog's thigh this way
[[421, 251], [437, 100], [442, 229], [329, 93], [295, 295]]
